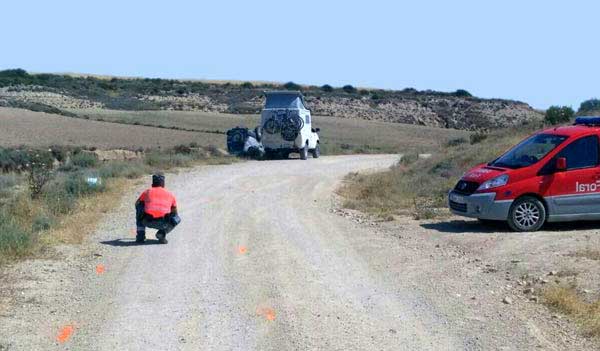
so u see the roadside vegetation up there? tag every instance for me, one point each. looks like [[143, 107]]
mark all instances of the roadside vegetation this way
[[54, 195], [567, 300], [418, 186]]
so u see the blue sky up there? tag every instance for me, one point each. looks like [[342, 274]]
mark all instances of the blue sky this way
[[540, 52]]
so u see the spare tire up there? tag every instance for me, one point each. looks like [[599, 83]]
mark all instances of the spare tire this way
[[291, 126], [236, 138]]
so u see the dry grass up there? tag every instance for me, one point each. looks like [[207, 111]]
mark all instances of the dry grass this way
[[419, 187], [74, 228], [567, 300]]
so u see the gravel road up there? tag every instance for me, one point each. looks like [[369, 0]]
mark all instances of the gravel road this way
[[262, 262]]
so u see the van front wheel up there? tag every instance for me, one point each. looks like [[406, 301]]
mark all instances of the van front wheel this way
[[316, 152], [527, 214]]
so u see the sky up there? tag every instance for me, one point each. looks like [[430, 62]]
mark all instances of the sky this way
[[541, 52]]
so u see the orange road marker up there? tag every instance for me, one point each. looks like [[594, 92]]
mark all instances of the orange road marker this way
[[267, 312], [100, 269], [242, 250], [65, 333]]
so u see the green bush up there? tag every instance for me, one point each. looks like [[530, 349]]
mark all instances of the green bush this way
[[349, 89], [591, 105], [327, 88], [84, 160], [58, 201], [462, 93], [14, 240], [559, 114], [60, 195], [247, 85], [41, 223], [292, 86]]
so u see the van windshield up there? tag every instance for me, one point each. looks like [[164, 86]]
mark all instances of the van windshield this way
[[529, 151]]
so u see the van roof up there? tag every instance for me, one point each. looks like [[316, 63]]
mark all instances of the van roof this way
[[573, 130]]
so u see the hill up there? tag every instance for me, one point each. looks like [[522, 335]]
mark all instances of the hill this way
[[61, 93]]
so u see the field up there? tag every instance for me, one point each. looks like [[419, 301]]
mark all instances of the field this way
[[338, 135], [37, 129]]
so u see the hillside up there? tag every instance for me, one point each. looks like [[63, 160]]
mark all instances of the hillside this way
[[60, 93]]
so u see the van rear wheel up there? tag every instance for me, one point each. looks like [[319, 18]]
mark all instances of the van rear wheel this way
[[527, 214], [304, 152]]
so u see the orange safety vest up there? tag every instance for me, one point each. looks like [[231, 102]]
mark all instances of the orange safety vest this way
[[158, 201]]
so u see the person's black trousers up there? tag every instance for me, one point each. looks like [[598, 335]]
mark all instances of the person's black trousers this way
[[144, 220]]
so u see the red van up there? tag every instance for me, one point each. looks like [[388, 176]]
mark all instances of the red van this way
[[553, 175]]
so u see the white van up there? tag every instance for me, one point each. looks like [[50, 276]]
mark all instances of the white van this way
[[287, 126]]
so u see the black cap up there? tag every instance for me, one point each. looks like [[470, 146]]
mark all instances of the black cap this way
[[158, 180]]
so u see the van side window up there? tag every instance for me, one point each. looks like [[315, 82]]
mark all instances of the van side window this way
[[582, 153], [307, 119]]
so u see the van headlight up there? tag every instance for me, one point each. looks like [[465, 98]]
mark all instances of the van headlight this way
[[494, 183]]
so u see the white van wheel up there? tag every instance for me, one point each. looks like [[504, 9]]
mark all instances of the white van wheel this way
[[304, 152], [316, 152]]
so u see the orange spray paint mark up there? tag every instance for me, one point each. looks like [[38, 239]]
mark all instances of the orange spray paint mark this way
[[133, 232], [267, 312], [242, 250], [100, 269], [65, 333]]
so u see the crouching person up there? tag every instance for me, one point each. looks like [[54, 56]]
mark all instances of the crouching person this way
[[156, 208]]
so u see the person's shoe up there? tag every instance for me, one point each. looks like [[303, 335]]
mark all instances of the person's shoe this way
[[140, 238], [161, 237]]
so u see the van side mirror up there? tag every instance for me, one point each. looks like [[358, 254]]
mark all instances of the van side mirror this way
[[561, 164]]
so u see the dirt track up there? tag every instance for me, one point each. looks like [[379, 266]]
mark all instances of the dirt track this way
[[260, 262]]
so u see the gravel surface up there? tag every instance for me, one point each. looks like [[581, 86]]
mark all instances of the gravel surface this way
[[264, 260]]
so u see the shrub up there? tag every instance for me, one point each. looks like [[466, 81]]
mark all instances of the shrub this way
[[14, 73], [123, 169], [167, 160], [327, 88], [477, 138], [591, 105], [456, 142], [14, 240], [84, 160], [408, 159], [349, 89], [78, 186], [292, 86], [559, 114], [41, 223], [57, 200], [462, 93], [247, 85], [8, 181]]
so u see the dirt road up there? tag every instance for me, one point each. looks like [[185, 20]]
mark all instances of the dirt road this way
[[261, 262]]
